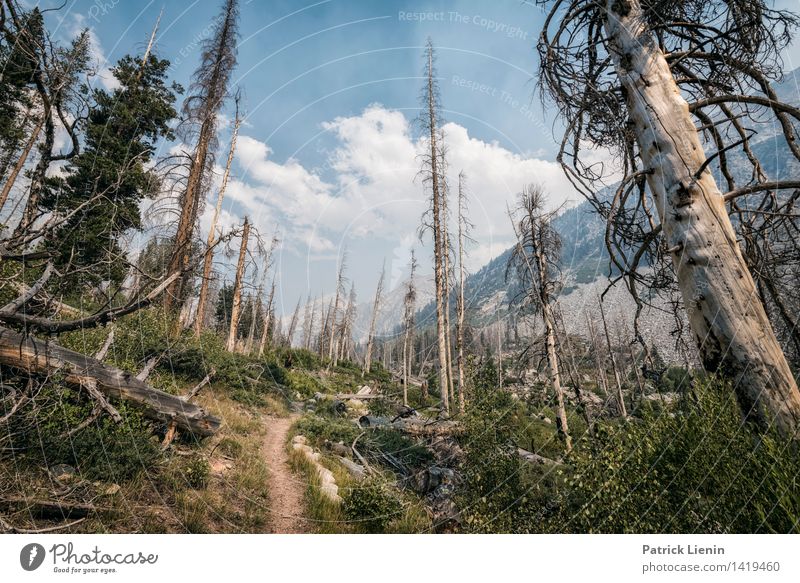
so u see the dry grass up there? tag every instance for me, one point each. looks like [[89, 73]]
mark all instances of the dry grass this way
[[218, 485]]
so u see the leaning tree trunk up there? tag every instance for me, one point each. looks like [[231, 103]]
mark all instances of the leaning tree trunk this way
[[729, 322], [212, 235], [190, 202], [550, 344], [23, 157], [237, 289]]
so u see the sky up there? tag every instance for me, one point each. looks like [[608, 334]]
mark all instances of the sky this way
[[329, 150]]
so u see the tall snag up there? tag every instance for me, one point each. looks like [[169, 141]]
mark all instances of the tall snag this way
[[463, 234], [199, 321], [236, 304], [535, 261], [373, 320], [208, 92], [409, 306], [433, 175]]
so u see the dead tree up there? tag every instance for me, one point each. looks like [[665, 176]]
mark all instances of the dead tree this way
[[237, 289], [34, 356], [447, 281], [293, 324], [612, 357], [333, 315], [409, 307], [373, 320], [344, 341], [201, 111], [434, 177], [463, 234], [199, 321], [534, 259], [308, 322], [267, 322], [637, 81]]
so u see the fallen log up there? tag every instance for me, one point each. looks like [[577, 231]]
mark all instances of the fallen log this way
[[426, 427], [536, 459], [354, 469], [34, 356]]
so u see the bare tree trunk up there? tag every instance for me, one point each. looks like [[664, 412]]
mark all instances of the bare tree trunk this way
[[293, 323], [550, 342], [438, 241], [375, 306], [308, 323], [446, 250], [728, 320], [12, 177], [213, 91], [460, 304], [332, 339], [409, 306], [199, 320], [237, 289], [254, 312], [602, 381], [620, 397], [267, 321]]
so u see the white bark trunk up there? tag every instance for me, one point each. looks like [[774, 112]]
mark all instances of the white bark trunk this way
[[237, 289], [729, 323]]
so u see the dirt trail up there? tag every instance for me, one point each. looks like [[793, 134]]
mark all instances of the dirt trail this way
[[285, 488]]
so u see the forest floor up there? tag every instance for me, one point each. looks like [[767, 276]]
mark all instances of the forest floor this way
[[286, 489]]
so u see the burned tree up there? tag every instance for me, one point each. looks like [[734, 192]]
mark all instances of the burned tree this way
[[463, 235], [212, 230], [333, 312], [677, 91], [237, 289], [409, 307], [434, 178], [201, 110], [534, 260], [373, 320]]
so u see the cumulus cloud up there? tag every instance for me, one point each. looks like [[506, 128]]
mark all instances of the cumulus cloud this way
[[376, 193]]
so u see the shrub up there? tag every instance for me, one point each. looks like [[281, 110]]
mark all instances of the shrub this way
[[492, 495], [371, 506], [196, 472], [318, 429], [104, 450], [699, 469], [301, 382]]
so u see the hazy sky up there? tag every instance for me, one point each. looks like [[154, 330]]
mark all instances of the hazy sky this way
[[329, 150]]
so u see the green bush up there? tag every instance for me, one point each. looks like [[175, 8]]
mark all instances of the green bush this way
[[301, 382], [371, 506], [104, 450], [698, 469], [196, 472], [492, 496], [300, 358], [319, 429]]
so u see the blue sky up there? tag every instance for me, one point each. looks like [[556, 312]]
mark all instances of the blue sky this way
[[328, 150]]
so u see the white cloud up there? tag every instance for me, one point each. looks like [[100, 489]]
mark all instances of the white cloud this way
[[376, 193]]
